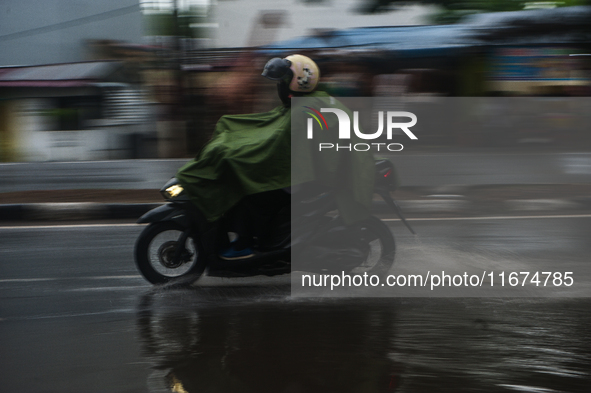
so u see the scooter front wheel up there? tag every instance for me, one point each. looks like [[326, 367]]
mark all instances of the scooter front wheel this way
[[165, 251]]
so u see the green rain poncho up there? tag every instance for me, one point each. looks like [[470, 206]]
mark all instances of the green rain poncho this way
[[253, 153]]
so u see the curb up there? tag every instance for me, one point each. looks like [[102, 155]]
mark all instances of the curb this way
[[74, 211], [114, 211]]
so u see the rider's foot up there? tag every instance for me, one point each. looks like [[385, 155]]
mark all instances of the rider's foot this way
[[231, 254]]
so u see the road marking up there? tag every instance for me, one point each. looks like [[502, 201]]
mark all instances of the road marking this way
[[27, 279], [19, 280], [69, 226], [488, 218], [99, 289], [32, 317]]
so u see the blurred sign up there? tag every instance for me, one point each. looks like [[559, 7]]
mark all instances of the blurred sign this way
[[535, 67], [521, 63]]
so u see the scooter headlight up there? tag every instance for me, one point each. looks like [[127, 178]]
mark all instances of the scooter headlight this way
[[173, 191]]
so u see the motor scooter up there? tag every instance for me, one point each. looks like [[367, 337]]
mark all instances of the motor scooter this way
[[180, 244]]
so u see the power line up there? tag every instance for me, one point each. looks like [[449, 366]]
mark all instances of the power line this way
[[72, 23]]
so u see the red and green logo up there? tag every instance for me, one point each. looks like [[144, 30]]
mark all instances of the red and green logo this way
[[316, 117]]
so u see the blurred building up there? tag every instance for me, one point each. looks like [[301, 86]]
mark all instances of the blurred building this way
[[76, 80], [73, 111], [246, 23]]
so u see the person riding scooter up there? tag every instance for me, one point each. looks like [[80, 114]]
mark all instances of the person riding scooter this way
[[248, 160], [263, 177], [244, 173]]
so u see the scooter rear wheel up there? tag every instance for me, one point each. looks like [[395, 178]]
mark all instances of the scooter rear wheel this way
[[382, 248], [156, 253]]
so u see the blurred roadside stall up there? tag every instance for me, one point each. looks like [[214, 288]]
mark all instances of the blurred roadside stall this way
[[514, 53], [529, 52], [534, 54], [505, 54]]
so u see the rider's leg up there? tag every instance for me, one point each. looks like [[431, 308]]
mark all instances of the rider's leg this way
[[252, 218]]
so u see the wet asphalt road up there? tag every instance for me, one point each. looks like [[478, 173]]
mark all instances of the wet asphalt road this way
[[75, 316]]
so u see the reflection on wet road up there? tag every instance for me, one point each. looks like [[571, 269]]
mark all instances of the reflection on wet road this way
[[414, 345], [75, 316]]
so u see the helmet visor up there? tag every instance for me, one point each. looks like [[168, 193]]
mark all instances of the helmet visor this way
[[278, 69]]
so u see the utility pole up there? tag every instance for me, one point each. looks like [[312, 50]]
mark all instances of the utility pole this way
[[172, 133]]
